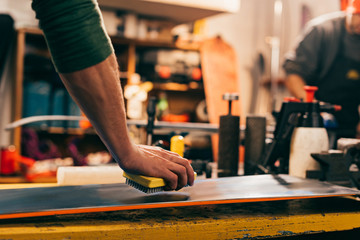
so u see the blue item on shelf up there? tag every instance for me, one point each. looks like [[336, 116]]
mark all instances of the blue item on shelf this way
[[58, 106], [36, 100]]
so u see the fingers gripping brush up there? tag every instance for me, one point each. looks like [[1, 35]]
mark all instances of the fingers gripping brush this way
[[146, 184]]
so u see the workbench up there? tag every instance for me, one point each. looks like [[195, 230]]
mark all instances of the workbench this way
[[321, 218]]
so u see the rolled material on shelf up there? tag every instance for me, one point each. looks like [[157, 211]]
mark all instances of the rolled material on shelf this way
[[228, 158], [255, 134], [89, 175]]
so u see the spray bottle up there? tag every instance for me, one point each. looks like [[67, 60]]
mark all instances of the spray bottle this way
[[309, 137]]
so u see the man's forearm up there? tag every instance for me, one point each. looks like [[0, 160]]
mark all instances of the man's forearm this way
[[87, 65], [295, 85], [107, 100]]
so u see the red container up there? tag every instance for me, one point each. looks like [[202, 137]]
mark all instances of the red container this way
[[8, 160]]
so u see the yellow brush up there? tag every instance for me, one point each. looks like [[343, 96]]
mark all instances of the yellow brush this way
[[146, 184]]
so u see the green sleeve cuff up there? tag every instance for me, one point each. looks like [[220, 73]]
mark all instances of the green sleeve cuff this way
[[74, 33]]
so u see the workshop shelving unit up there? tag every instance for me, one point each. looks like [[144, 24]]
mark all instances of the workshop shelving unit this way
[[182, 11], [126, 53]]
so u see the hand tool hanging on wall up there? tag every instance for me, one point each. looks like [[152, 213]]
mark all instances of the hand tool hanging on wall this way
[[229, 130]]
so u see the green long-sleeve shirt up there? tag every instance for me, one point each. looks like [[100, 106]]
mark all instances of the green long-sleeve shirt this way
[[74, 33]]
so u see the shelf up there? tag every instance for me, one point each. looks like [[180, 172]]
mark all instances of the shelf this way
[[12, 179], [144, 43], [116, 40], [179, 11], [151, 43], [171, 86], [69, 131], [127, 47]]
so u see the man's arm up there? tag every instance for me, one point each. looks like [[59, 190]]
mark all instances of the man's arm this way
[[98, 92], [84, 58], [295, 84], [314, 53], [301, 64]]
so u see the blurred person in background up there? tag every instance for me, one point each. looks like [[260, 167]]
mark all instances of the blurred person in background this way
[[327, 55]]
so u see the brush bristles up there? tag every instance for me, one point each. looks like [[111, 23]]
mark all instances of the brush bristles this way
[[146, 184], [142, 188]]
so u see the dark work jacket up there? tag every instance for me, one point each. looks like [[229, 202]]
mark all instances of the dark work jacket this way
[[319, 58]]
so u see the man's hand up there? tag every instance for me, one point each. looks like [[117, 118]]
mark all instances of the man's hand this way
[[157, 162], [295, 84]]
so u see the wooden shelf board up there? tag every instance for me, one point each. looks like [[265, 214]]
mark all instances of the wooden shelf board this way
[[171, 86], [180, 11], [12, 179], [117, 40]]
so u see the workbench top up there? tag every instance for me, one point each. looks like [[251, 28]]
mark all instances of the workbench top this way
[[256, 220]]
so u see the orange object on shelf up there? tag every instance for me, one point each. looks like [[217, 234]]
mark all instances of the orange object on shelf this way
[[8, 160], [84, 124], [42, 170], [196, 74], [164, 72], [175, 118]]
